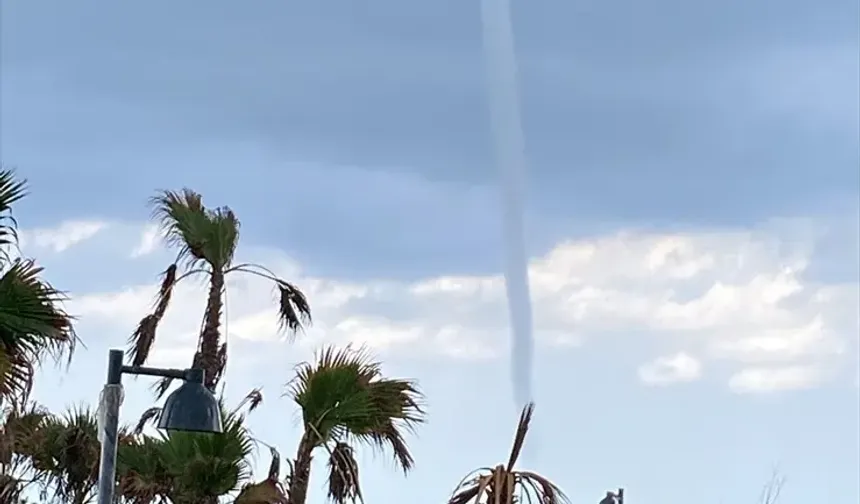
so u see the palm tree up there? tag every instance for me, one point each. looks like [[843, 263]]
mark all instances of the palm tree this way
[[344, 399], [61, 452], [33, 324], [190, 468], [206, 240], [18, 428], [505, 485]]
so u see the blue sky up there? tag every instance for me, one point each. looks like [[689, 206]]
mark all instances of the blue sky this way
[[692, 219]]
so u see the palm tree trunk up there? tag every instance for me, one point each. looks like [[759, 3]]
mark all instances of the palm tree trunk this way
[[211, 336], [298, 491]]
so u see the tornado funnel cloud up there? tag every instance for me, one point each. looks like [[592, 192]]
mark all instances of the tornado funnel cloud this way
[[509, 147]]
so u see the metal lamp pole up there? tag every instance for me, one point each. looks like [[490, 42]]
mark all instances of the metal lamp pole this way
[[192, 407]]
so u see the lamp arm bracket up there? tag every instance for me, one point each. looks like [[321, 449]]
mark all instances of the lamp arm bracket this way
[[149, 371]]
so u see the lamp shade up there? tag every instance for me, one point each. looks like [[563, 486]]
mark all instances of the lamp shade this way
[[191, 407]]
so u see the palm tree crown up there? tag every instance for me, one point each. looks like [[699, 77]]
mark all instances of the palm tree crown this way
[[206, 241], [344, 399], [505, 485]]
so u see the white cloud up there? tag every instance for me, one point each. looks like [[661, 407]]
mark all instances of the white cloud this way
[[762, 379], [61, 238], [149, 242], [677, 368], [741, 298]]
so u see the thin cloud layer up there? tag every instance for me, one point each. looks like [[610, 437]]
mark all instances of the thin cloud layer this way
[[61, 238], [737, 298], [677, 368]]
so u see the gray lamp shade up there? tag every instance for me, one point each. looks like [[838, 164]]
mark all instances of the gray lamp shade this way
[[191, 407]]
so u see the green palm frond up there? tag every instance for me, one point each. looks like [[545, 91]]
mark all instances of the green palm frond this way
[[187, 466], [142, 475], [19, 429], [344, 397], [183, 222], [505, 485], [11, 191], [64, 453], [344, 394], [201, 235], [33, 326]]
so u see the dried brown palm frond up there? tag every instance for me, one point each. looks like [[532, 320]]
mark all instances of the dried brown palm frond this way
[[141, 340], [343, 482], [268, 491], [503, 484], [252, 400], [150, 416]]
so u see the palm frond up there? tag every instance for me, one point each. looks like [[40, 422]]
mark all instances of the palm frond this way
[[505, 485], [344, 397], [182, 218], [186, 466], [162, 386], [294, 312], [199, 234], [268, 491], [11, 191], [66, 454], [141, 340], [33, 325], [223, 237], [343, 482], [252, 400], [520, 436], [148, 417]]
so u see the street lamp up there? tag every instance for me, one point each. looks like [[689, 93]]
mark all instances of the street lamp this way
[[191, 407]]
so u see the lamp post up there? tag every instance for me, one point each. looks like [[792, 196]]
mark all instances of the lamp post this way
[[191, 407]]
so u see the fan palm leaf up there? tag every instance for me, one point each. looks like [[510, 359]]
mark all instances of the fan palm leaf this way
[[503, 484], [33, 324], [63, 452], [18, 435], [206, 240], [344, 399], [187, 467]]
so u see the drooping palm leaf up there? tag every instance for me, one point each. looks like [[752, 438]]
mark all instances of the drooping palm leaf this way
[[141, 340], [343, 482], [504, 484]]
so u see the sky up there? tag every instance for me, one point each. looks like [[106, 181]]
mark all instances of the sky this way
[[692, 221]]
